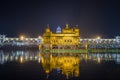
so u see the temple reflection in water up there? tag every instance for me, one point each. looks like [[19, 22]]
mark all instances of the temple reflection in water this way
[[66, 64]]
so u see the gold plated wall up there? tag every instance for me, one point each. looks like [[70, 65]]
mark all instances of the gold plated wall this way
[[68, 38]]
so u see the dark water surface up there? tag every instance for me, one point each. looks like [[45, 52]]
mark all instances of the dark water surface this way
[[34, 65]]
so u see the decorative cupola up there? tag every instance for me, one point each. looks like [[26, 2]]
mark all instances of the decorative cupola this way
[[58, 29], [47, 29]]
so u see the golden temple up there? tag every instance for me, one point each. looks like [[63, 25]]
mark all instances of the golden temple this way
[[66, 38]]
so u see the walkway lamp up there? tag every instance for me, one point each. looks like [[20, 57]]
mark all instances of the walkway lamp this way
[[22, 37], [98, 37]]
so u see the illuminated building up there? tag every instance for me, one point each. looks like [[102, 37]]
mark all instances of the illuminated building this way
[[66, 38], [2, 38]]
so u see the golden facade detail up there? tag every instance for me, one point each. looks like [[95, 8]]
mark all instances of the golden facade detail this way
[[63, 38]]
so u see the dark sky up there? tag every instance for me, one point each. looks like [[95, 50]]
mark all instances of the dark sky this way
[[30, 17]]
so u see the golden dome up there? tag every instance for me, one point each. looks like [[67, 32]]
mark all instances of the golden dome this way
[[47, 29]]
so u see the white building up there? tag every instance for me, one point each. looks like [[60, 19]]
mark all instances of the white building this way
[[2, 38]]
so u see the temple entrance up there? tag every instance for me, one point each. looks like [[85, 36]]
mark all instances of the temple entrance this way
[[67, 47], [54, 47]]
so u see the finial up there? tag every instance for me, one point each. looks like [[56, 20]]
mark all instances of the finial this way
[[66, 26], [76, 25], [47, 25]]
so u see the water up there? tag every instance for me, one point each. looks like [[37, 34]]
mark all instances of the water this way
[[34, 65]]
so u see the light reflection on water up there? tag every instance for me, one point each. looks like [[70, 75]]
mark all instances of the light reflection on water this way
[[23, 56], [67, 64], [19, 56]]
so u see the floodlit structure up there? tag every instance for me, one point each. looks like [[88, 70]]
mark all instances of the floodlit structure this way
[[66, 38], [2, 38]]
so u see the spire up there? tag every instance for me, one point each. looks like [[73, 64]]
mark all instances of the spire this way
[[76, 25], [48, 26], [66, 26]]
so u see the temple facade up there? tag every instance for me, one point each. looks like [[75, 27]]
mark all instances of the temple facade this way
[[66, 38]]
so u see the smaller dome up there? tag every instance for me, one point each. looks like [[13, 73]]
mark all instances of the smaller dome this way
[[48, 29], [67, 26], [58, 29]]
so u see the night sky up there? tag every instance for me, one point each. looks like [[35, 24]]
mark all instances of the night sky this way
[[30, 17]]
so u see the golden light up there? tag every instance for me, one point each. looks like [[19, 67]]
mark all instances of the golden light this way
[[39, 37], [22, 37], [98, 60], [21, 59], [39, 60], [86, 46], [98, 37]]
